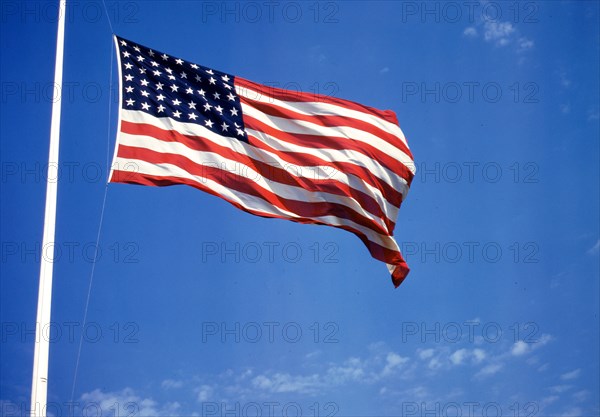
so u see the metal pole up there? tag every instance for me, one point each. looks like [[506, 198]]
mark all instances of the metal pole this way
[[39, 386]]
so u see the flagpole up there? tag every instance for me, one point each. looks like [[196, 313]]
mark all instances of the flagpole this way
[[39, 385]]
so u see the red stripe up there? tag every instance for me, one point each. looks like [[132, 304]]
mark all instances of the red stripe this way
[[236, 182], [329, 121], [330, 142], [266, 170], [288, 95], [377, 251], [388, 192]]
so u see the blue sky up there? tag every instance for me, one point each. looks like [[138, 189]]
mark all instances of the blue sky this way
[[198, 308]]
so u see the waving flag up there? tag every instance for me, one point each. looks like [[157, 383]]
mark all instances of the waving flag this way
[[277, 153]]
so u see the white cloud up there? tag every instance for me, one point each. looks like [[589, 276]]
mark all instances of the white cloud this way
[[171, 383], [204, 393], [425, 353], [286, 383], [499, 32], [384, 70], [548, 400], [581, 396], [394, 361], [559, 389], [478, 355], [434, 363], [596, 248], [524, 44], [128, 403], [489, 370], [519, 348], [571, 375], [470, 32], [457, 357], [573, 412]]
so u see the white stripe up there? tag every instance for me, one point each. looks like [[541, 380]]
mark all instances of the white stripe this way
[[212, 159], [334, 155], [324, 109], [295, 126], [255, 204], [390, 210]]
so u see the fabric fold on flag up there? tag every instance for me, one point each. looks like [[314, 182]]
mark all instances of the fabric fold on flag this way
[[271, 152]]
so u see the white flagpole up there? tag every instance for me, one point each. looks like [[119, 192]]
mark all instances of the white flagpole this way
[[39, 386]]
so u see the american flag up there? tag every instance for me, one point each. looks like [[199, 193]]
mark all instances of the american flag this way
[[277, 153]]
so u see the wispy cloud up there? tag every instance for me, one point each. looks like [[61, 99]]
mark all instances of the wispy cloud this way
[[574, 374], [489, 370], [470, 32], [500, 34], [127, 402], [594, 249], [171, 383]]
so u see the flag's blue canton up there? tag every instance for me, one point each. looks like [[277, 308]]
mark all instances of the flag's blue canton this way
[[166, 86]]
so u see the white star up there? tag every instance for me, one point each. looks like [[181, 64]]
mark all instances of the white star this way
[[236, 125], [161, 108], [189, 90], [192, 105], [201, 92], [179, 61], [145, 93], [144, 82], [128, 77], [177, 114], [225, 78], [216, 96], [159, 86], [207, 106], [227, 86], [208, 123], [240, 132], [160, 97], [174, 88], [142, 70], [157, 73], [176, 102], [130, 102], [183, 75], [126, 54], [137, 49], [193, 116], [145, 106], [128, 66], [140, 58], [209, 71], [154, 64], [198, 78], [233, 111], [169, 70], [219, 109], [165, 56], [171, 77], [230, 97], [212, 80], [224, 126], [151, 52], [123, 43], [129, 89], [194, 66]]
